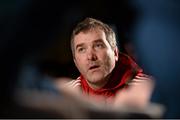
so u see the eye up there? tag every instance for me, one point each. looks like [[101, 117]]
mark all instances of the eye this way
[[81, 50], [99, 45]]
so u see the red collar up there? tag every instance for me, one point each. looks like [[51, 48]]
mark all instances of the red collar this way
[[124, 72]]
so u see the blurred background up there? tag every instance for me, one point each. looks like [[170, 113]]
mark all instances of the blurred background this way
[[35, 44]]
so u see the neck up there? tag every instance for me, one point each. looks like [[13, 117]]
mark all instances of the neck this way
[[99, 85]]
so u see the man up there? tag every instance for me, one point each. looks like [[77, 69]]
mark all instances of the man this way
[[106, 74]]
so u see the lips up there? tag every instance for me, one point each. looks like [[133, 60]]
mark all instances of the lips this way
[[93, 67]]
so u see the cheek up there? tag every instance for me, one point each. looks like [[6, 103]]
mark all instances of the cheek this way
[[109, 62], [80, 63]]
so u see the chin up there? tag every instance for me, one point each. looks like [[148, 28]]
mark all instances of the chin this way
[[96, 78]]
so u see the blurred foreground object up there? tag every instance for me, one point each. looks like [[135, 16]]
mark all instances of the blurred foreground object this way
[[70, 105]]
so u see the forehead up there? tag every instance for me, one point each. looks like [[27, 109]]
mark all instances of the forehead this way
[[89, 36]]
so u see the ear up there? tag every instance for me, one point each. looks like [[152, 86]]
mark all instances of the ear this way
[[74, 59], [116, 53]]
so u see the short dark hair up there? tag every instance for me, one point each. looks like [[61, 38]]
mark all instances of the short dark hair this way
[[91, 23]]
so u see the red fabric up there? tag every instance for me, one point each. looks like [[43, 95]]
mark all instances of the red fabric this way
[[126, 69]]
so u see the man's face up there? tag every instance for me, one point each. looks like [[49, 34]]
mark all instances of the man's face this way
[[94, 57]]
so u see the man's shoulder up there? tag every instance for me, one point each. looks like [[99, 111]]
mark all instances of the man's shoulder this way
[[128, 62], [125, 58]]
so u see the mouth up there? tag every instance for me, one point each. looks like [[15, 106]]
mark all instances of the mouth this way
[[94, 67]]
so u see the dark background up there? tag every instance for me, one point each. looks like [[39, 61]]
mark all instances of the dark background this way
[[38, 33]]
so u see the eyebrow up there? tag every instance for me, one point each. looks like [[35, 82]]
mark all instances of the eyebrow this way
[[95, 41], [98, 40], [79, 45]]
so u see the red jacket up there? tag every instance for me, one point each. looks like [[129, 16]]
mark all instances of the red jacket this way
[[126, 69]]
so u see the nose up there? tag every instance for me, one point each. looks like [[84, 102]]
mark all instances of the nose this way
[[91, 55]]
